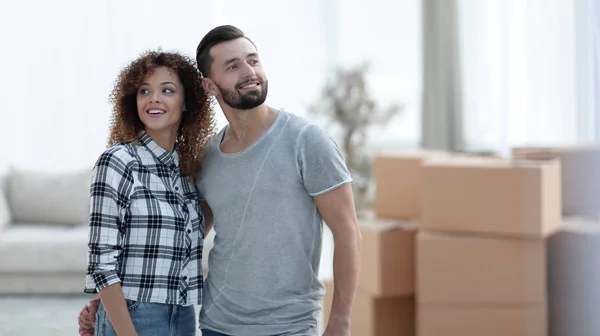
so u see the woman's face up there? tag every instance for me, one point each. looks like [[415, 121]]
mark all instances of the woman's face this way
[[160, 101]]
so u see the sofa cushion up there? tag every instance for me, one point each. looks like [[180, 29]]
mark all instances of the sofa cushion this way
[[48, 198], [40, 248]]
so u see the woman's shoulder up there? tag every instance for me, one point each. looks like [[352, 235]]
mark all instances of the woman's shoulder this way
[[122, 154]]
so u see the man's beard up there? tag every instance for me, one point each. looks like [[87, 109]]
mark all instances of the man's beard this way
[[248, 100]]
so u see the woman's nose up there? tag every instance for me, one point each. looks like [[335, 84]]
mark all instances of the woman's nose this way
[[155, 97]]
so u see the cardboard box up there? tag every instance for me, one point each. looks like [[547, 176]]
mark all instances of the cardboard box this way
[[443, 320], [552, 152], [376, 316], [517, 198], [398, 180], [579, 175], [398, 183], [472, 270], [387, 257], [384, 316], [478, 154]]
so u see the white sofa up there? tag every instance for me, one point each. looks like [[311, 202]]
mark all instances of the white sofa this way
[[44, 232]]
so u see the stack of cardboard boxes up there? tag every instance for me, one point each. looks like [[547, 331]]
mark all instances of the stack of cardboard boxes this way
[[384, 304], [385, 300], [481, 249], [456, 246]]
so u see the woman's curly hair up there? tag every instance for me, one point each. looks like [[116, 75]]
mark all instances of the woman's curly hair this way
[[197, 122]]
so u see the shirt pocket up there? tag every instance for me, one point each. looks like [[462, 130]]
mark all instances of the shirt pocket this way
[[160, 205]]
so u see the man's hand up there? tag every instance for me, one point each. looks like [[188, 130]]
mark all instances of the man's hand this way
[[337, 329], [87, 318]]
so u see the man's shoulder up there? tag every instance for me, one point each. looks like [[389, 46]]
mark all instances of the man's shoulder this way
[[217, 135], [300, 126], [213, 140], [294, 120], [305, 130]]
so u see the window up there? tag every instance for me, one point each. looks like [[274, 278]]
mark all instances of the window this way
[[518, 61]]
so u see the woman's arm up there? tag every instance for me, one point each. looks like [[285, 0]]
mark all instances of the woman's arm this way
[[111, 187], [116, 309]]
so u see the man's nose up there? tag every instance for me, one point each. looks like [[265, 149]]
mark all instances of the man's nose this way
[[248, 70]]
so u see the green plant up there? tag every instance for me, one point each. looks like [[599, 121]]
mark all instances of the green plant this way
[[346, 101]]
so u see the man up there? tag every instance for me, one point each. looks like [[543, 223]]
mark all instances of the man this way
[[270, 179]]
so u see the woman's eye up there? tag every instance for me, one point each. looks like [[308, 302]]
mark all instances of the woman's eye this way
[[168, 91], [144, 91]]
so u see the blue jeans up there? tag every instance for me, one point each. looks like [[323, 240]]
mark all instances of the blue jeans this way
[[206, 332], [152, 319]]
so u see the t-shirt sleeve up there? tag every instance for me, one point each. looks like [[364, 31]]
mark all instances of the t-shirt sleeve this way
[[321, 164]]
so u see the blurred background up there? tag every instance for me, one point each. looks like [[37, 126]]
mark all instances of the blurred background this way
[[497, 72], [470, 76]]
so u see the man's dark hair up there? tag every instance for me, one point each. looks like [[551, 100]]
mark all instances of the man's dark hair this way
[[216, 36]]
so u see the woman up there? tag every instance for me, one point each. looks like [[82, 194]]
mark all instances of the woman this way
[[146, 227]]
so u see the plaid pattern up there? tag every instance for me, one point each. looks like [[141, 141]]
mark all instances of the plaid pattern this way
[[146, 229]]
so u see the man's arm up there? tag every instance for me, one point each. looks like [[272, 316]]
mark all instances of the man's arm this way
[[337, 209], [326, 178], [208, 217], [87, 317]]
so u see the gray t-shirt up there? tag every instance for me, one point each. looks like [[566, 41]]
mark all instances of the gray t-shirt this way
[[263, 268]]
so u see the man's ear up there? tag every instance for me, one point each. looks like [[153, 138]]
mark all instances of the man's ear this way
[[209, 86]]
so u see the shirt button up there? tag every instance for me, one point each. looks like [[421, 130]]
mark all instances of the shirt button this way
[[189, 231], [184, 277], [176, 188]]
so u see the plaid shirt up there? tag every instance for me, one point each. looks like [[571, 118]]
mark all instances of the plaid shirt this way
[[146, 227]]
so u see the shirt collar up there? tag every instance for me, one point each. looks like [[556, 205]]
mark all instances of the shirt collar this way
[[165, 157]]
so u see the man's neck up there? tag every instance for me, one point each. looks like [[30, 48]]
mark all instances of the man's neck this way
[[245, 126]]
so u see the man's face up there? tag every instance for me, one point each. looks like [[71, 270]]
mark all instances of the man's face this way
[[238, 75]]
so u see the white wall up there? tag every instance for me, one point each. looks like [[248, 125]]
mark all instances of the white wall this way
[[61, 58]]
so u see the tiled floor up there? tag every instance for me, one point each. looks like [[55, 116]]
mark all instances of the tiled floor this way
[[50, 316]]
